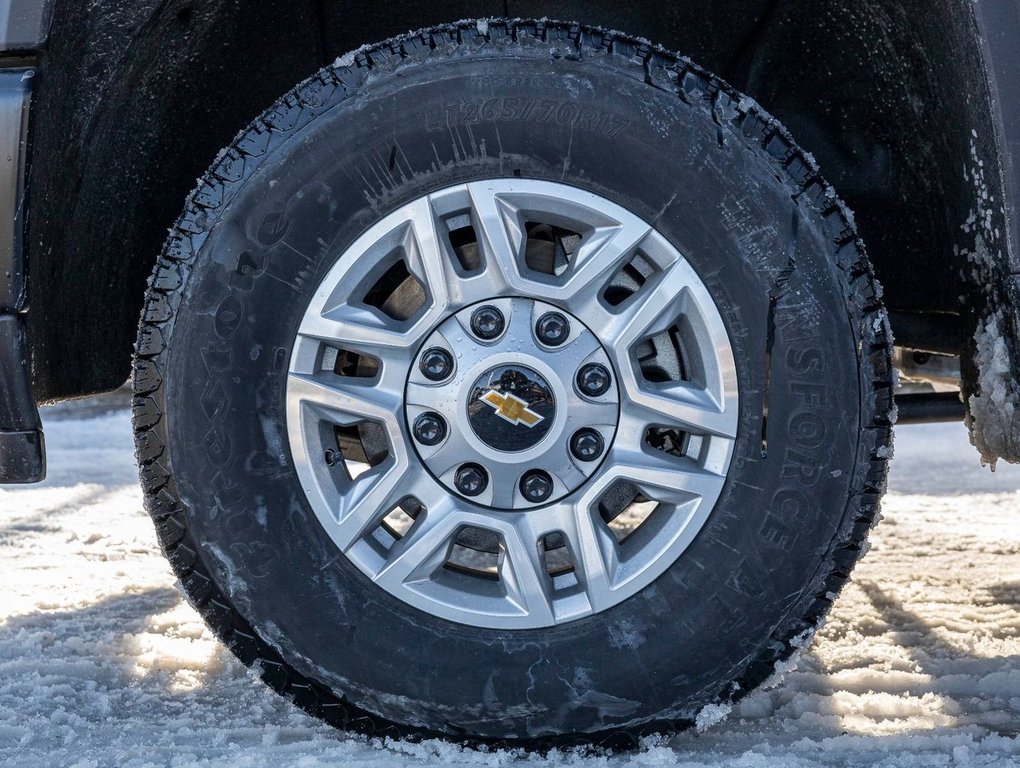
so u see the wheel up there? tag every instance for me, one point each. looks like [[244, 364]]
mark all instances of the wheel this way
[[515, 382]]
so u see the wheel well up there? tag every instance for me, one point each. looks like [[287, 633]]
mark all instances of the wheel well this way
[[138, 97]]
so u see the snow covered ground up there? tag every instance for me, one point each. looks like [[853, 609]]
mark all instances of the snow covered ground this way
[[102, 664]]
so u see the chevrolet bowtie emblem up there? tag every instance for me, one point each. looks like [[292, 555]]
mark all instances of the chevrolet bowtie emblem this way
[[512, 408]]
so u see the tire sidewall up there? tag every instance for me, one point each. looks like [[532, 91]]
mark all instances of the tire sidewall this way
[[760, 252]]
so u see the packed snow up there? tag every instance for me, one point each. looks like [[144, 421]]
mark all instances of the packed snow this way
[[994, 412], [103, 664]]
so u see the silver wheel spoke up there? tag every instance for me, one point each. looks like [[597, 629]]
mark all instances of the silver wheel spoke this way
[[653, 308], [523, 572], [606, 250], [600, 255], [361, 330], [594, 550], [663, 478], [421, 551], [680, 404], [366, 329], [501, 239], [343, 402], [369, 499], [427, 258]]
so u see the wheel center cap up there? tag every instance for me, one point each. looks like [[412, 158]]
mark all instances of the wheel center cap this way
[[512, 403], [511, 407]]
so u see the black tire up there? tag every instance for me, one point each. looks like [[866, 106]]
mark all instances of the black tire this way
[[649, 130]]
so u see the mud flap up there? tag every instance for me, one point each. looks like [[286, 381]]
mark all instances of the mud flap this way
[[22, 453]]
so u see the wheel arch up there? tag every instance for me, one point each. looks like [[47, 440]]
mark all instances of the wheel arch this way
[[892, 98]]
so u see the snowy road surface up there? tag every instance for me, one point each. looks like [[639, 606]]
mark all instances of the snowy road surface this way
[[101, 663]]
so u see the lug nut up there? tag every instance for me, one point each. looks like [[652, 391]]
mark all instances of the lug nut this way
[[487, 323], [587, 444], [536, 485], [593, 379], [552, 329], [429, 428], [471, 479], [436, 363]]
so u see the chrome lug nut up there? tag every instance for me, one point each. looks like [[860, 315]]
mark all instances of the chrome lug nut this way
[[593, 379], [487, 323], [429, 428], [552, 329], [436, 364], [587, 444], [536, 485], [471, 479]]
